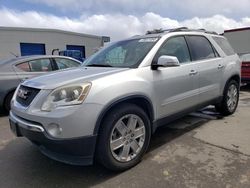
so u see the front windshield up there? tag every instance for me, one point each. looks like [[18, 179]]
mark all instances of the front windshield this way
[[128, 53]]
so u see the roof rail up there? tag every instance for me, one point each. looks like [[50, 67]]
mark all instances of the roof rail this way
[[155, 31], [178, 29], [212, 32]]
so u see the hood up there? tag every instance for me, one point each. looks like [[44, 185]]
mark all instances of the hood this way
[[70, 76]]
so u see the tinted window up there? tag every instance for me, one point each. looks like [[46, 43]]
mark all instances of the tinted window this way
[[177, 47], [24, 66], [65, 63], [200, 48], [224, 45], [40, 65]]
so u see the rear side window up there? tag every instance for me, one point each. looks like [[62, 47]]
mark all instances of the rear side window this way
[[200, 48], [24, 66], [40, 65], [65, 63], [224, 45]]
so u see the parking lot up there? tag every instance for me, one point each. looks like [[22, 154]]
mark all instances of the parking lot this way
[[200, 150]]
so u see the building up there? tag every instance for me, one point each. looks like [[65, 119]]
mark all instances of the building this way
[[239, 39], [15, 41]]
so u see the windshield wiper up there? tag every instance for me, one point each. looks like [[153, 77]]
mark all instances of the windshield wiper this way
[[99, 65]]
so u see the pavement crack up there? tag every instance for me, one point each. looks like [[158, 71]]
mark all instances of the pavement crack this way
[[221, 147]]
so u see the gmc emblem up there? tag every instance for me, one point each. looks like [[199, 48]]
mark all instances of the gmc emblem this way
[[22, 94]]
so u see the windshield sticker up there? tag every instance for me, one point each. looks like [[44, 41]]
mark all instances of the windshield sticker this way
[[148, 40]]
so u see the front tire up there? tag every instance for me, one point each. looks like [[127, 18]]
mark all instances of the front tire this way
[[230, 99], [7, 101], [124, 137]]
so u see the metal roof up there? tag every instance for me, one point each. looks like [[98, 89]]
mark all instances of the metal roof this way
[[48, 30], [237, 29]]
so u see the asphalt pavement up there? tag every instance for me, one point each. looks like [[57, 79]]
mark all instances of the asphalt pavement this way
[[202, 149]]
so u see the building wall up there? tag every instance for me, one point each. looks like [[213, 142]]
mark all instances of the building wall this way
[[239, 40], [10, 40]]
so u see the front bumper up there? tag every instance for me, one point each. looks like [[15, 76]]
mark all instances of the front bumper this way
[[75, 151]]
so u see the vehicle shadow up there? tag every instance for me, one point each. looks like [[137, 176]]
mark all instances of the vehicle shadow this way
[[3, 113], [24, 166], [245, 88]]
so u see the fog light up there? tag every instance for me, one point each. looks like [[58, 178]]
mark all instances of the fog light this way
[[54, 129]]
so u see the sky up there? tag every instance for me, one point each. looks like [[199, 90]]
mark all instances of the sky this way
[[120, 19]]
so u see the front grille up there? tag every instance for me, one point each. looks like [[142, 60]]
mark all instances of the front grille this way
[[25, 95]]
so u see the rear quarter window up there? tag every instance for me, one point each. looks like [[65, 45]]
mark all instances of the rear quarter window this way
[[24, 66], [224, 45]]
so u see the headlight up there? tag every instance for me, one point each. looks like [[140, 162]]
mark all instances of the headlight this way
[[66, 95]]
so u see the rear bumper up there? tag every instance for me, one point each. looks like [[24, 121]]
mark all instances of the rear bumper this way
[[75, 151]]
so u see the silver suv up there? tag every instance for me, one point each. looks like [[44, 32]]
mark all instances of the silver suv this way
[[108, 109]]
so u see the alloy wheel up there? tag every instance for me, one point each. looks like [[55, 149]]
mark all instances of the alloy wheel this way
[[127, 138], [232, 97]]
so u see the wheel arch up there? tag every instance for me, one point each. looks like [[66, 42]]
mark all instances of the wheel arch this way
[[235, 77], [139, 100], [12, 90], [221, 106]]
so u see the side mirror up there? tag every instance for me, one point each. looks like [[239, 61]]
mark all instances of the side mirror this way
[[166, 61]]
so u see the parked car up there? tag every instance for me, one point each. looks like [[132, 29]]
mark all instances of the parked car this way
[[109, 108], [14, 71], [76, 54], [245, 68]]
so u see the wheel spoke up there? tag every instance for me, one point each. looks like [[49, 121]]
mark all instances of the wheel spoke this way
[[121, 128], [132, 121], [115, 144], [229, 102], [135, 146], [139, 132], [234, 99], [235, 93], [125, 152]]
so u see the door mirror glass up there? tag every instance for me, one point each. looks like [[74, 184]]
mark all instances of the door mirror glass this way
[[168, 61]]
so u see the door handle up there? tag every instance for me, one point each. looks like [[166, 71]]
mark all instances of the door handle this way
[[220, 66], [193, 72]]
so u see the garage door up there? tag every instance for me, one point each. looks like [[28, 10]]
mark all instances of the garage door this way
[[77, 47], [32, 49]]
